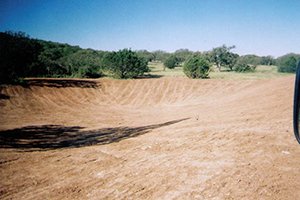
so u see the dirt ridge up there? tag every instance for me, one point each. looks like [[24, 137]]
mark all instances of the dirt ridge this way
[[166, 138]]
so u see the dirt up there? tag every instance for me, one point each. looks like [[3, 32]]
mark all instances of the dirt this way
[[166, 138]]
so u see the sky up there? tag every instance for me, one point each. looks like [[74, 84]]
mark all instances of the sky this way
[[261, 27]]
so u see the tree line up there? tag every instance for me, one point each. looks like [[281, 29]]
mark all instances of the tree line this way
[[22, 56]]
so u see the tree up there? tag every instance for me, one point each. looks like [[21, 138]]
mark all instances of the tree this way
[[126, 64], [17, 53], [287, 64], [243, 66], [146, 55], [197, 66], [171, 62], [222, 57], [84, 63], [251, 59], [267, 60], [182, 54], [160, 55]]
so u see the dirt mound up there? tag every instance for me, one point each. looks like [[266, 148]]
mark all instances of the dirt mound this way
[[148, 138], [151, 92]]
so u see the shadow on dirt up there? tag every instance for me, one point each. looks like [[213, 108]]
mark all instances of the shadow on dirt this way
[[149, 76], [61, 83], [49, 137], [3, 96]]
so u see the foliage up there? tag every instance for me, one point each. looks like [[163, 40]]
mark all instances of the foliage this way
[[126, 64], [160, 55], [222, 57], [243, 66], [171, 62], [84, 63], [22, 56], [287, 63], [261, 72], [257, 60], [17, 52], [197, 66], [251, 59], [89, 72], [182, 55], [148, 56], [267, 60]]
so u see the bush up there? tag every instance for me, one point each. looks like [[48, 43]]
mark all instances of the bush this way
[[125, 64], [17, 52], [89, 72], [242, 66], [287, 64], [21, 56], [223, 57], [182, 54], [197, 66], [171, 62]]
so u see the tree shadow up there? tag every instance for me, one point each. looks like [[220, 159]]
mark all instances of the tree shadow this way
[[50, 137], [226, 70], [4, 96], [61, 83], [149, 76]]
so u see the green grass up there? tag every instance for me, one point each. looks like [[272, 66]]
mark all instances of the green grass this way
[[157, 69], [261, 72]]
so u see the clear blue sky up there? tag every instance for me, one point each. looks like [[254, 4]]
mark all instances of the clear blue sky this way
[[262, 27]]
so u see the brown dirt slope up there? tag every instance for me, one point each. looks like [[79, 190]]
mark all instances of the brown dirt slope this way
[[168, 138]]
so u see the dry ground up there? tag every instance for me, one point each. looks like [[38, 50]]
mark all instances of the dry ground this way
[[166, 138]]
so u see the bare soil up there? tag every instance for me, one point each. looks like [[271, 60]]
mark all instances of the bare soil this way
[[166, 138]]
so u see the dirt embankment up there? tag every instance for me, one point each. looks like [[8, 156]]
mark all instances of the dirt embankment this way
[[149, 138]]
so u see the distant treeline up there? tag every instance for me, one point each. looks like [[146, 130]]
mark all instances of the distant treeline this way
[[22, 56]]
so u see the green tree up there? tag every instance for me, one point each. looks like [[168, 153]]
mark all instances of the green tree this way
[[126, 64], [267, 60], [17, 53], [146, 55], [171, 62], [222, 57], [21, 56], [288, 63], [182, 54], [84, 63], [251, 59], [160, 55], [197, 66], [243, 66]]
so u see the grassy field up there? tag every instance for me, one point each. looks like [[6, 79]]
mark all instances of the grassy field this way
[[157, 69], [261, 72]]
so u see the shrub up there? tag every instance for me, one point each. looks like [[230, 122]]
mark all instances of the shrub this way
[[89, 72], [197, 66], [182, 54], [125, 64], [267, 60], [171, 62], [223, 57], [21, 56], [17, 52], [242, 66], [287, 64]]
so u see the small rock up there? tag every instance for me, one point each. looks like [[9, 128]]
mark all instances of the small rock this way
[[286, 152]]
